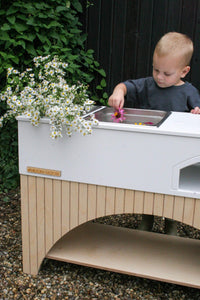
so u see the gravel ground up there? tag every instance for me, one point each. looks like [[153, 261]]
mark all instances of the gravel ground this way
[[57, 280]]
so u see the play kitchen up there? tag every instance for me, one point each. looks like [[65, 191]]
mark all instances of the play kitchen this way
[[135, 161]]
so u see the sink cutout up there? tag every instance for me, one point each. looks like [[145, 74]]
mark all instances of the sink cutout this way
[[134, 116]]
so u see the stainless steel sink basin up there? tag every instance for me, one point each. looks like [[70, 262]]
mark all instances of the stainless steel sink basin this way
[[133, 116]]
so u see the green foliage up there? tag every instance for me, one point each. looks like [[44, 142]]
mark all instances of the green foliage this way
[[9, 175], [33, 28]]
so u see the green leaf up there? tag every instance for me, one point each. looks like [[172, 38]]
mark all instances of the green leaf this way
[[5, 27], [105, 95], [103, 83], [21, 43], [4, 36], [75, 30], [20, 27], [90, 51], [31, 21], [76, 4], [15, 59], [102, 72], [60, 8], [11, 19], [96, 63], [53, 24], [11, 10], [30, 49], [29, 37]]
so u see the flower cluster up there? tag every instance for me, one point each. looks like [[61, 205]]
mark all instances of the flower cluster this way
[[44, 92], [118, 115]]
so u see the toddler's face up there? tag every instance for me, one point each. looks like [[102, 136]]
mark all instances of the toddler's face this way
[[167, 70]]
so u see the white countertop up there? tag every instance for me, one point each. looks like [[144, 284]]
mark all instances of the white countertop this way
[[178, 123]]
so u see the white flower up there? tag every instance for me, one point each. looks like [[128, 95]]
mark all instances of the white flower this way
[[49, 96]]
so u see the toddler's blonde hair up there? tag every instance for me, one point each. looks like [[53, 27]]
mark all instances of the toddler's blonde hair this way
[[175, 44]]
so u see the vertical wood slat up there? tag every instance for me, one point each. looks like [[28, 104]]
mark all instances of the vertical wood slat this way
[[32, 196], [65, 207], [101, 201], [40, 219], [92, 201], [25, 223], [158, 205], [57, 218], [168, 206], [74, 204], [83, 205], [139, 202], [188, 215], [119, 201], [178, 208], [196, 222], [148, 203], [129, 201], [48, 190], [110, 201]]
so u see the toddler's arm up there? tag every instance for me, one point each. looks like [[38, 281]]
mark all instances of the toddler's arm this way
[[117, 98], [195, 110]]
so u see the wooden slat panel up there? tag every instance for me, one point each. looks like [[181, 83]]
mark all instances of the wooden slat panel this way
[[119, 201], [57, 217], [196, 223], [178, 208], [73, 204], [25, 223], [65, 207], [110, 201], [118, 40], [40, 220], [188, 214], [83, 205], [139, 202], [168, 206], [48, 188], [33, 223], [131, 40], [92, 201], [148, 203], [144, 57], [158, 205], [129, 201], [195, 63], [101, 199]]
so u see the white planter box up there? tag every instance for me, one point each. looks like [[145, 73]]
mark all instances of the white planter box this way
[[163, 159]]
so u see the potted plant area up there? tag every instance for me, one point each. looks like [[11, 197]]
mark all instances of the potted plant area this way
[[43, 92]]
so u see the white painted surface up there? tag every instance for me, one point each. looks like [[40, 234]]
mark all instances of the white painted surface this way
[[135, 157]]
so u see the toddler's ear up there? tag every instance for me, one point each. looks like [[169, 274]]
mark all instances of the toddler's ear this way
[[185, 71]]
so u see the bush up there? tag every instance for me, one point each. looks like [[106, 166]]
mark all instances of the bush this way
[[33, 28]]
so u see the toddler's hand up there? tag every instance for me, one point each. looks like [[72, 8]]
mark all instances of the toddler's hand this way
[[116, 101], [195, 110]]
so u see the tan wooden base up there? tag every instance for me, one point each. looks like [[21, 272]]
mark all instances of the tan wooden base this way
[[58, 211], [144, 254]]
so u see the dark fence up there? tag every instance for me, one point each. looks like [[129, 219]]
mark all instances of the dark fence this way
[[123, 34]]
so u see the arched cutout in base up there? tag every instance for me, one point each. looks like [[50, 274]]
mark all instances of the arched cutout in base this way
[[133, 252]]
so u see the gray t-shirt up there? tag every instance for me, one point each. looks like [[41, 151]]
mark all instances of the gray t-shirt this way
[[146, 94]]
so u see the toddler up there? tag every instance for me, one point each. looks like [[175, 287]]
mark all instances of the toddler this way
[[165, 90]]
